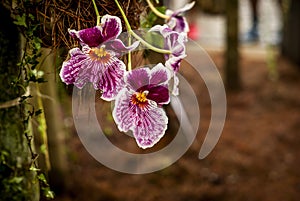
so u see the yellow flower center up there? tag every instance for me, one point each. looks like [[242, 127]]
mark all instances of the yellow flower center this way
[[142, 96], [100, 52]]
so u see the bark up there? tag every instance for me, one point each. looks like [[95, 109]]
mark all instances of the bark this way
[[55, 126], [17, 181], [291, 35], [232, 53]]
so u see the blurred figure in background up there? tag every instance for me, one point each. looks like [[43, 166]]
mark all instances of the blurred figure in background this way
[[253, 34]]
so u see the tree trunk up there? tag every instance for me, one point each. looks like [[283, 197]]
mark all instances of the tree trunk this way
[[55, 127], [17, 181], [232, 53], [291, 35]]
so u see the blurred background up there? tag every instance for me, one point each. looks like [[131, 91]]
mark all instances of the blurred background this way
[[256, 158]]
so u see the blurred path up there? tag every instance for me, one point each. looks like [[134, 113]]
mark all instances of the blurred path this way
[[212, 27]]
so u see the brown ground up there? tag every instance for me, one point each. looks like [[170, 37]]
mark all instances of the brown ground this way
[[256, 158]]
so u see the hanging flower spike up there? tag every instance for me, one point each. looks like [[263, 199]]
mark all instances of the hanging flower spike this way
[[176, 21], [138, 105], [98, 61], [175, 42]]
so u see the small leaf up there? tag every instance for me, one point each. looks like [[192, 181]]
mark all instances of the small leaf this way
[[21, 21], [42, 178], [16, 180], [48, 193]]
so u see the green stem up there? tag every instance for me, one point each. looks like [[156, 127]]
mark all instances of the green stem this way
[[154, 10], [163, 51], [124, 16], [128, 27], [129, 66], [97, 12]]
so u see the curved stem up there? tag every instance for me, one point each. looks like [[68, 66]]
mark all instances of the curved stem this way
[[154, 10], [97, 12], [163, 51], [128, 27], [129, 66]]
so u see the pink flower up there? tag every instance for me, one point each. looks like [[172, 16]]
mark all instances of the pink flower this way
[[98, 61], [138, 106]]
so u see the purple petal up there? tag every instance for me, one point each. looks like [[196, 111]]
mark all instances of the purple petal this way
[[150, 127], [174, 63], [159, 94], [174, 41], [124, 112], [70, 69], [119, 48], [111, 79], [179, 24], [111, 27], [159, 75], [138, 78], [90, 36], [106, 74]]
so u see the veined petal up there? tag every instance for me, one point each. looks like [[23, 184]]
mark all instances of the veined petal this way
[[174, 63], [105, 73], [138, 78], [70, 69], [179, 24], [150, 127], [111, 80], [111, 27], [159, 75], [90, 36], [124, 111]]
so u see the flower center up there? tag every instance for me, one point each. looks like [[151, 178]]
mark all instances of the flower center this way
[[140, 98], [99, 53]]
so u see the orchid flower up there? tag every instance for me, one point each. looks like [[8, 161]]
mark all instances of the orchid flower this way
[[97, 62], [177, 22], [174, 19], [174, 41], [138, 106]]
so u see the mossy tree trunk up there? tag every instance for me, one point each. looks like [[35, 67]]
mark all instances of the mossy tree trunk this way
[[54, 121], [17, 181]]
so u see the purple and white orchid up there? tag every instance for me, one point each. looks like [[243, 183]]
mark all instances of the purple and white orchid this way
[[138, 105], [98, 61], [175, 42], [176, 21]]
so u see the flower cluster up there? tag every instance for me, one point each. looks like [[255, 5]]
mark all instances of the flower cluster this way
[[139, 94]]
